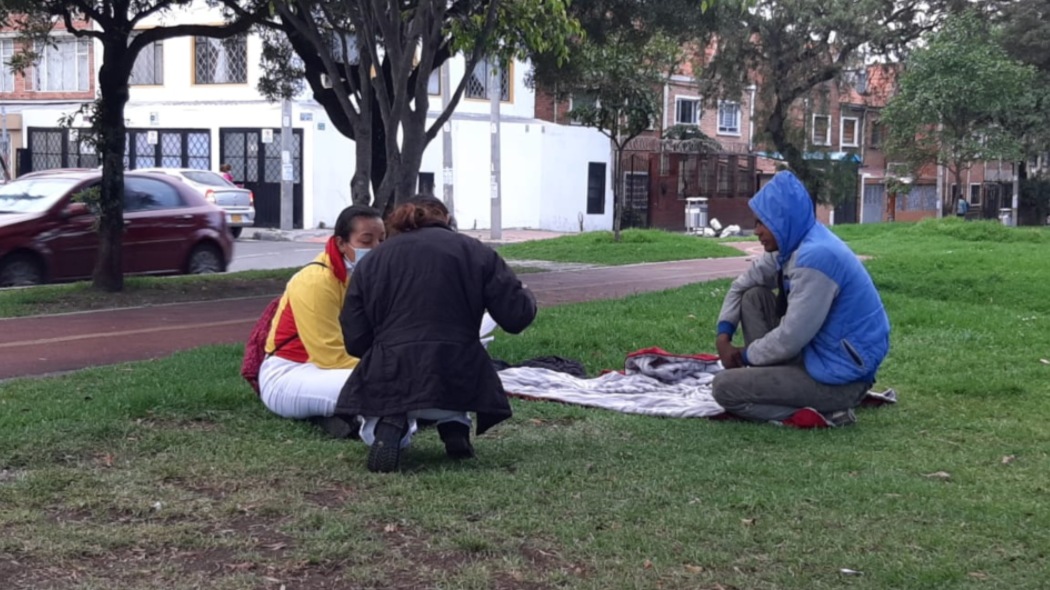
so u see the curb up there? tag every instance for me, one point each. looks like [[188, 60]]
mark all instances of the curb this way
[[269, 235]]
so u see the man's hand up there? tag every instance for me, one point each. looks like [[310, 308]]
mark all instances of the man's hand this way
[[732, 357]]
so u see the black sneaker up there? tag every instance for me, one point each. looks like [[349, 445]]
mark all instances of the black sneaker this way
[[338, 425], [385, 453], [456, 437]]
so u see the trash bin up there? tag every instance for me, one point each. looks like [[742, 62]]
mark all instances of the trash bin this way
[[1006, 217], [695, 214]]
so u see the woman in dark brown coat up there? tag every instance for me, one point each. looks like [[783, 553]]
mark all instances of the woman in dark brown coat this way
[[413, 315]]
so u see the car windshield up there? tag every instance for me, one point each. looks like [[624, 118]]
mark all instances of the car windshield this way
[[206, 177], [33, 195]]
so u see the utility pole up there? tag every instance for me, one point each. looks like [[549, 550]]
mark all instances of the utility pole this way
[[446, 141], [1017, 191], [940, 190], [5, 145], [495, 95], [287, 172]]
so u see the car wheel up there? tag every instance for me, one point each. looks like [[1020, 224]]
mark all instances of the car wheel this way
[[205, 259], [21, 270], [236, 231]]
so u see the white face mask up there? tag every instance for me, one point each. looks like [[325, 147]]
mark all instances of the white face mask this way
[[359, 253]]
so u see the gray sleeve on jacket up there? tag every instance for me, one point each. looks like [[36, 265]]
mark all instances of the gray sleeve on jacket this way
[[809, 301], [761, 273]]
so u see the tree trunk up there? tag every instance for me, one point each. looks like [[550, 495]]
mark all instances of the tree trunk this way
[[113, 88], [957, 176], [364, 150], [415, 143]]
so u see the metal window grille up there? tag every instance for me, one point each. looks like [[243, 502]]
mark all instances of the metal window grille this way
[[688, 178], [478, 83], [149, 65], [919, 198], [198, 150], [272, 158], [636, 191], [171, 150], [723, 177], [221, 61], [62, 67]]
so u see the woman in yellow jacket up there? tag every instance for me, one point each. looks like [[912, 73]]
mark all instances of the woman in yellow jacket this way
[[306, 362]]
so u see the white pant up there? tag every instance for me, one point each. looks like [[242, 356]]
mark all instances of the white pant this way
[[368, 427], [300, 390]]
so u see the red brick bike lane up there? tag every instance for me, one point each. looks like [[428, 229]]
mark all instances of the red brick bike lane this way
[[42, 345]]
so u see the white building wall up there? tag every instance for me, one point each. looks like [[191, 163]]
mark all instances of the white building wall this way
[[566, 153]]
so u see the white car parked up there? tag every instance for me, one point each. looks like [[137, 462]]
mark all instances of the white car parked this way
[[239, 203]]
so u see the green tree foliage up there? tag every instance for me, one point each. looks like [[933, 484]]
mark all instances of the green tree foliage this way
[[618, 91], [959, 98], [1026, 32], [112, 23], [369, 67], [790, 49]]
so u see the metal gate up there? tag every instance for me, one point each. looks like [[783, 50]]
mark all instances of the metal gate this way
[[168, 148], [874, 203], [256, 164], [56, 147], [60, 147]]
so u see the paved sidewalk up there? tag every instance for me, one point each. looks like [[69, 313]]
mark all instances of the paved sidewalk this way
[[50, 344]]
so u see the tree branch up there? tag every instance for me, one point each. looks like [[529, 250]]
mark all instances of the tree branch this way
[[67, 20]]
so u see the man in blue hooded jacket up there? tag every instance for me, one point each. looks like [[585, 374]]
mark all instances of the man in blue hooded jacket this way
[[814, 346]]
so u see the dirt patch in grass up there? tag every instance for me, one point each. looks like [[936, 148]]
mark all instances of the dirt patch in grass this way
[[247, 552]]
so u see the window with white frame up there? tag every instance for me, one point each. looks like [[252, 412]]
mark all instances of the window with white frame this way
[[849, 132], [481, 78], [7, 77], [821, 130], [63, 66], [729, 118], [687, 111], [149, 66], [220, 61]]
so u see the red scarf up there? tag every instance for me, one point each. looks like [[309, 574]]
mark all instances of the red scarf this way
[[335, 259]]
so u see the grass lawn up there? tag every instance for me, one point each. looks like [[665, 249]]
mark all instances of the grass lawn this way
[[171, 473], [49, 299], [637, 245], [70, 297]]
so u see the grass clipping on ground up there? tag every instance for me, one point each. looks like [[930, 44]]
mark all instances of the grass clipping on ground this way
[[172, 474]]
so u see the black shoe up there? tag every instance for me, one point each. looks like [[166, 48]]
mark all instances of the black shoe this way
[[385, 452], [456, 437], [338, 425]]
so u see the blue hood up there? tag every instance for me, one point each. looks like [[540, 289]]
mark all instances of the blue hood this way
[[784, 206]]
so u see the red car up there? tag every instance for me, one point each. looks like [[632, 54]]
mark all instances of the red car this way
[[47, 236]]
